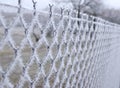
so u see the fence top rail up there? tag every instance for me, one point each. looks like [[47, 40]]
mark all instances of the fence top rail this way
[[64, 13]]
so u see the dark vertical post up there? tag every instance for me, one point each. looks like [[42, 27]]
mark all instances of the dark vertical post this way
[[78, 14]]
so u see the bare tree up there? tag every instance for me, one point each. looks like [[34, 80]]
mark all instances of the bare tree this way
[[89, 6], [92, 7]]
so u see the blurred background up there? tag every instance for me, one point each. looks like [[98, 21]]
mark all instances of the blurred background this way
[[107, 9]]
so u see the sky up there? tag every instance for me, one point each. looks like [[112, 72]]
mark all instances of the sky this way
[[43, 3], [112, 3], [28, 3]]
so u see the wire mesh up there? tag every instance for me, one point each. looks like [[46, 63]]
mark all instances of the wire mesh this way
[[54, 49]]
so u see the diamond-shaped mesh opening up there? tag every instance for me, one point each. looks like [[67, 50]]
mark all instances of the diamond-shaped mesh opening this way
[[43, 18], [26, 84], [88, 44], [5, 86], [81, 64], [50, 34], [56, 20], [66, 60], [64, 83], [84, 82], [66, 22], [15, 75], [36, 34], [42, 52], [87, 63], [28, 16], [71, 46], [76, 31], [18, 33], [47, 67], [9, 17], [79, 85], [40, 82], [26, 53], [58, 63], [83, 44], [2, 31], [69, 70], [60, 34], [80, 54], [52, 79], [68, 34], [73, 23], [54, 50], [61, 76], [6, 56], [71, 80], [83, 73], [75, 67], [84, 24], [85, 54], [63, 48], [33, 70], [57, 85], [0, 76]]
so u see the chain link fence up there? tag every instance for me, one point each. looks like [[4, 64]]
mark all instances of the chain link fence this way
[[55, 49]]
